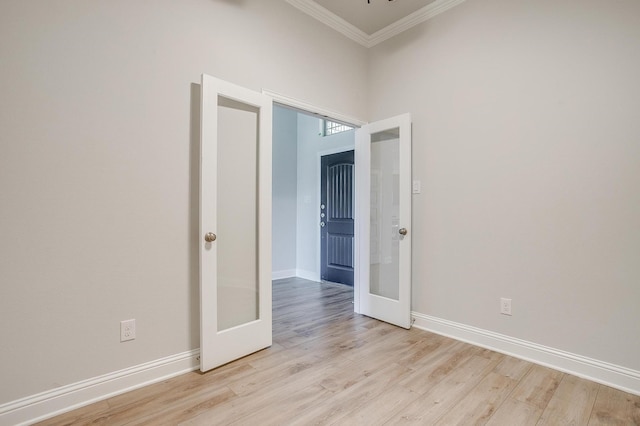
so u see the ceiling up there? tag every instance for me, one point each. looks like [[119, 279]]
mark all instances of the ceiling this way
[[374, 16], [371, 23]]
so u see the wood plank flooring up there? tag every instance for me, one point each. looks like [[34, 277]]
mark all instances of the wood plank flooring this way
[[330, 366]]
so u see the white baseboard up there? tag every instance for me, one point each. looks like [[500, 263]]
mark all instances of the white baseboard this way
[[60, 400], [308, 275], [279, 275], [66, 398], [602, 372]]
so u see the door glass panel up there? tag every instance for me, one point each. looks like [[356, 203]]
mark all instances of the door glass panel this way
[[385, 209], [237, 214]]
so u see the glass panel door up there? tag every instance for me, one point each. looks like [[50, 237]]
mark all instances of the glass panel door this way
[[235, 222], [237, 214], [384, 260], [383, 164]]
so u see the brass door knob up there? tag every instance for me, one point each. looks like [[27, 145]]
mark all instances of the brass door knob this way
[[210, 237], [402, 231]]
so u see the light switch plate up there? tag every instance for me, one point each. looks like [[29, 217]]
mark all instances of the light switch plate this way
[[417, 187]]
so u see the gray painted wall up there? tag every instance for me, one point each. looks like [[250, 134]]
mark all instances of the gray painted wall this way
[[525, 138], [99, 128], [285, 169]]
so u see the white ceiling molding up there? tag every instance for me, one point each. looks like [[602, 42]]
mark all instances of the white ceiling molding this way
[[323, 15], [409, 21]]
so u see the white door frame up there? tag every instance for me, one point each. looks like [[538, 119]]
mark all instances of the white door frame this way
[[313, 109]]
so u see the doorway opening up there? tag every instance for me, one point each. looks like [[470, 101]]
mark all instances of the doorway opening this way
[[302, 246], [221, 107]]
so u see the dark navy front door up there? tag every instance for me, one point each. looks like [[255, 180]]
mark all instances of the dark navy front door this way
[[336, 218]]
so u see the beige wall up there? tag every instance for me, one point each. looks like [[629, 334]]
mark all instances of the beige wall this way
[[526, 140], [99, 166]]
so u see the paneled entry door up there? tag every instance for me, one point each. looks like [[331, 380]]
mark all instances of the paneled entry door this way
[[337, 217], [235, 222], [383, 167]]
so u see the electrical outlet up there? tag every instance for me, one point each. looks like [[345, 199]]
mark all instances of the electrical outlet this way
[[127, 330], [505, 306]]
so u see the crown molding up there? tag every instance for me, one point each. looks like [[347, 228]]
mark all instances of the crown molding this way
[[323, 15], [410, 21], [332, 20]]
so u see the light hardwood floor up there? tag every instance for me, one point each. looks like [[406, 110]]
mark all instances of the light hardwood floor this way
[[330, 366]]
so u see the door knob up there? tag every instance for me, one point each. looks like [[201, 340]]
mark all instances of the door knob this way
[[402, 231], [210, 237]]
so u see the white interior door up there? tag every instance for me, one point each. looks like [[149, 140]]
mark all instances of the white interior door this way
[[383, 167], [235, 222]]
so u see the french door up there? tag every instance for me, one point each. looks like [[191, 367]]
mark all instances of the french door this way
[[383, 167], [235, 222]]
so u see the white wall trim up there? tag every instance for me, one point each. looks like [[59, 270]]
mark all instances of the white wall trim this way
[[320, 112], [308, 275], [280, 275], [410, 21], [66, 398], [332, 20], [615, 376]]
